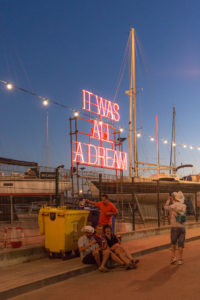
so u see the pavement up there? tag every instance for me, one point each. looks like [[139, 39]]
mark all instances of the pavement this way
[[25, 277]]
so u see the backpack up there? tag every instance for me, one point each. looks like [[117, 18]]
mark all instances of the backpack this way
[[181, 218]]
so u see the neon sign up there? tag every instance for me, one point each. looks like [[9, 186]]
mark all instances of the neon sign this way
[[92, 155], [101, 151], [100, 106]]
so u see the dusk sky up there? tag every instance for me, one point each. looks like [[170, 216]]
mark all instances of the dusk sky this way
[[57, 48]]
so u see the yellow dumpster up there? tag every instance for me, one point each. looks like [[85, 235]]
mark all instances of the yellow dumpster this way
[[62, 228], [44, 212]]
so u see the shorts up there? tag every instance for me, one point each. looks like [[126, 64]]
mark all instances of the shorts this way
[[90, 260], [178, 236]]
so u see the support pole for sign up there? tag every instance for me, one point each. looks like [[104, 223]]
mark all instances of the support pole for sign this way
[[100, 186], [72, 167], [77, 173]]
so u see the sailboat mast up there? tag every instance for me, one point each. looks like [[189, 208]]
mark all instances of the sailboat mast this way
[[132, 88], [130, 142], [132, 111]]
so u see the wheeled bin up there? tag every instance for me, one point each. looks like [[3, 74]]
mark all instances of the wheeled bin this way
[[93, 217], [62, 228]]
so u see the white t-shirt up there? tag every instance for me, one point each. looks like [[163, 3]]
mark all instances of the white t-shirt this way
[[85, 241], [174, 209]]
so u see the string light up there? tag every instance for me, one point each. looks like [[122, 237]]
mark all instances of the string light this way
[[76, 114], [9, 86], [45, 102]]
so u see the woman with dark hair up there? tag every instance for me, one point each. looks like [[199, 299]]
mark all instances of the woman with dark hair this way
[[115, 246], [103, 246]]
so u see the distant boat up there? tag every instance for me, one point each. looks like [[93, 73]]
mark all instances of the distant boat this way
[[18, 188]]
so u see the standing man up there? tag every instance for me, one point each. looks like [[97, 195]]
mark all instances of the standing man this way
[[107, 210], [177, 212]]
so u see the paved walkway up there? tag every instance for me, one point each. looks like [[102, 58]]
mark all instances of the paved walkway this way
[[18, 279], [154, 279]]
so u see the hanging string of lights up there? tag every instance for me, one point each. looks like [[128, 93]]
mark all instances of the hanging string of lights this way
[[166, 142], [46, 101]]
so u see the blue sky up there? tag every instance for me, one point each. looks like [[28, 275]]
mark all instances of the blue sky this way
[[57, 48]]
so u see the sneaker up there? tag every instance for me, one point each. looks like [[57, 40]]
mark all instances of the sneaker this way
[[135, 261], [103, 269], [131, 266], [173, 260], [180, 262]]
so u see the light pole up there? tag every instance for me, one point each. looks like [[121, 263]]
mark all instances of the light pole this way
[[45, 102]]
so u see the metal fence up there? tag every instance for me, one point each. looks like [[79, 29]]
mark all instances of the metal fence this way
[[140, 203]]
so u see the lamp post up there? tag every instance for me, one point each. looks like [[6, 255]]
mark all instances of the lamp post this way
[[57, 184], [45, 102]]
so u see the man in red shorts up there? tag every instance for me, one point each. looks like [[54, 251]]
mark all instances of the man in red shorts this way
[[107, 210]]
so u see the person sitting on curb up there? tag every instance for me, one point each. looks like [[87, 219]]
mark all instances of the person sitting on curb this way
[[87, 246], [101, 240], [177, 221], [117, 248], [107, 210], [90, 251]]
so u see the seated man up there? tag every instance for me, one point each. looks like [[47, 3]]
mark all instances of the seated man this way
[[117, 248], [89, 249], [103, 246]]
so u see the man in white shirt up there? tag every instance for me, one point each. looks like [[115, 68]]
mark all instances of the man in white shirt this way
[[87, 246], [177, 221]]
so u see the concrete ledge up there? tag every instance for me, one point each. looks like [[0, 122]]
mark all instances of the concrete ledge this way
[[69, 274], [17, 256], [142, 233], [22, 255]]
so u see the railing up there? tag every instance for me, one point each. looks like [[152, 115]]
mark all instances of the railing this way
[[140, 206]]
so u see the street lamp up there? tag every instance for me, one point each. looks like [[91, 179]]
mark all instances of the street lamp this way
[[45, 102]]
